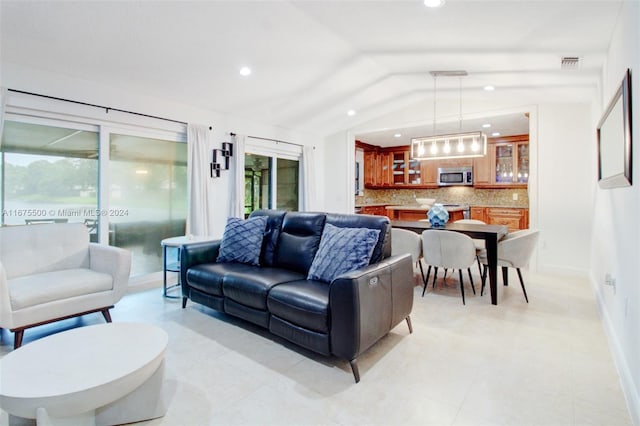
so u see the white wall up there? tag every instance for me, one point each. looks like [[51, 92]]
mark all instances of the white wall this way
[[339, 173], [23, 78], [565, 178], [615, 221]]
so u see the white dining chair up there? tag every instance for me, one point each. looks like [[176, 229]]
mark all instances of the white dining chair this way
[[449, 250], [480, 246], [514, 251], [405, 241]]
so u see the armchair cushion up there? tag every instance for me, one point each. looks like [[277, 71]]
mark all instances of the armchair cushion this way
[[242, 240], [57, 285], [342, 250]]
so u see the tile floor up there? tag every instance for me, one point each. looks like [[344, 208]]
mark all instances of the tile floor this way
[[542, 363]]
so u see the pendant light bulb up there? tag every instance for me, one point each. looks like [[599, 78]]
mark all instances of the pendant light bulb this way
[[460, 145], [434, 148], [420, 150], [447, 148]]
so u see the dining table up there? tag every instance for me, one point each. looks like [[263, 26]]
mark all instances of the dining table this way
[[491, 234]]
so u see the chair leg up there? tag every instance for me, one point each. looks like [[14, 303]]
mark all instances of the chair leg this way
[[473, 287], [505, 275], [421, 270], [479, 265], [354, 369], [106, 315], [435, 275], [484, 279], [461, 285], [408, 319], [522, 285], [17, 338]]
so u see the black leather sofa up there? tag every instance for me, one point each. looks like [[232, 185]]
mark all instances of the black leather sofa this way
[[343, 318]]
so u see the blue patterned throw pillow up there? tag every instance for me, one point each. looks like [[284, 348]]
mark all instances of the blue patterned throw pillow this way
[[342, 250], [242, 240]]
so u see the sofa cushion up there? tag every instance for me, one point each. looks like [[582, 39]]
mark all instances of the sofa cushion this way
[[299, 240], [304, 303], [342, 250], [271, 234], [37, 289], [250, 285], [382, 249], [242, 240]]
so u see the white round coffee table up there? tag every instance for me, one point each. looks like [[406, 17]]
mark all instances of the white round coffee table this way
[[96, 374]]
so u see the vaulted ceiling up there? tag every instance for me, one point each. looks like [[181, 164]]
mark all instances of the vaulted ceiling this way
[[312, 61]]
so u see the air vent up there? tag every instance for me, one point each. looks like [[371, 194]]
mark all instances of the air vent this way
[[453, 73], [570, 62]]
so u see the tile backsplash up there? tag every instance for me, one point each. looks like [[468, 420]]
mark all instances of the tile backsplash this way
[[447, 195]]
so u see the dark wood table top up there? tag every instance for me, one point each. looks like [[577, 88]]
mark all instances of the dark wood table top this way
[[472, 229]]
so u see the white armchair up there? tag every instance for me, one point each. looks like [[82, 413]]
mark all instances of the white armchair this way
[[514, 251], [52, 272]]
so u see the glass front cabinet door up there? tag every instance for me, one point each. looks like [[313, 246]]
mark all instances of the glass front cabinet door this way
[[511, 162]]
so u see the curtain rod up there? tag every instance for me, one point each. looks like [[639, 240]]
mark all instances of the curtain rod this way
[[274, 140], [107, 109]]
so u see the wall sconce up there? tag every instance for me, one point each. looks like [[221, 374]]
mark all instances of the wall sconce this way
[[224, 153]]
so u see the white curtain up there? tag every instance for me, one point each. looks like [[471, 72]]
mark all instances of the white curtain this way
[[236, 207], [308, 178], [198, 180], [3, 104]]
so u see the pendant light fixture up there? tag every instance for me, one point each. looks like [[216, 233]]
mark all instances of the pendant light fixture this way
[[455, 145]]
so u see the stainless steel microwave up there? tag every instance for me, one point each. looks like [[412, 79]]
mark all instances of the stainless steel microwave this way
[[450, 176]]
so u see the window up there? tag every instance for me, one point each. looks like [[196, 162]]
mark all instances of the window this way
[[271, 175]]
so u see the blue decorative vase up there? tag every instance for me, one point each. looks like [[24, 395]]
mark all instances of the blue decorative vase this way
[[438, 215]]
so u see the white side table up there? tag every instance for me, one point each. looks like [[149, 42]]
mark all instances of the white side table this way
[[99, 374], [176, 242]]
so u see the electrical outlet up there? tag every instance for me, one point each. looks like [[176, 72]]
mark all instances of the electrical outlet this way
[[610, 281], [515, 196]]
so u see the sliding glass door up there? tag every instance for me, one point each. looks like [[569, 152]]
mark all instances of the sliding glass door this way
[[127, 188], [271, 183], [49, 174], [147, 196]]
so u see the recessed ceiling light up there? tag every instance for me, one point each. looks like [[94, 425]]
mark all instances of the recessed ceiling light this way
[[489, 88], [245, 71], [397, 135], [495, 134], [486, 125], [351, 112], [433, 3]]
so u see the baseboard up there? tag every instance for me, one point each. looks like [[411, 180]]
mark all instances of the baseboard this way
[[149, 281], [626, 379], [562, 271]]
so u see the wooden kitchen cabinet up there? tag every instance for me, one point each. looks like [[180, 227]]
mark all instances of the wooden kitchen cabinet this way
[[377, 169], [513, 218], [482, 170], [478, 213], [375, 210], [509, 161]]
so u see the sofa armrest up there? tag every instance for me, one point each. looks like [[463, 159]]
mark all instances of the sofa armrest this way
[[114, 261], [367, 303], [192, 254]]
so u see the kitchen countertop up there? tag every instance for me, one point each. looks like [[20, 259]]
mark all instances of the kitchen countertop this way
[[423, 209], [372, 205]]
